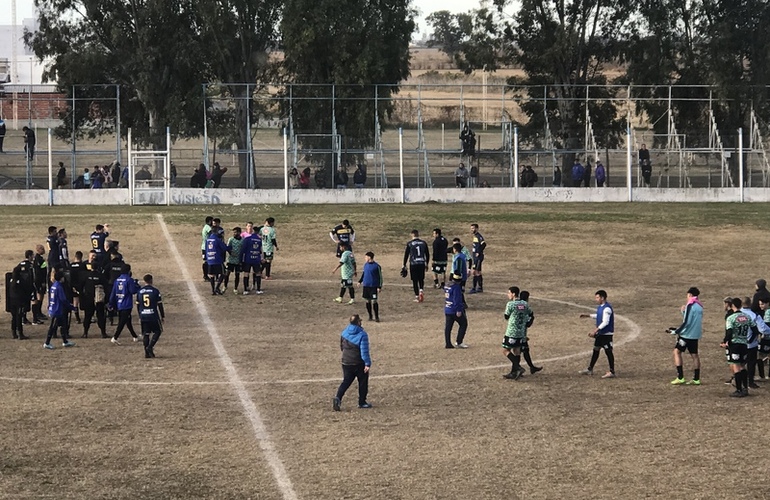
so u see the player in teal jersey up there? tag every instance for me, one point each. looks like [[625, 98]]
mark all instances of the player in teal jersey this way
[[737, 326], [517, 314], [233, 264], [269, 245], [687, 336], [347, 267]]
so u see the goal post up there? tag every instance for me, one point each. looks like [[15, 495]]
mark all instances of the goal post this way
[[149, 174]]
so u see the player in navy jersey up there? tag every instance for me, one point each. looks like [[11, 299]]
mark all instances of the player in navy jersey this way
[[58, 309], [151, 315], [76, 282], [251, 262], [122, 299], [98, 242], [371, 278], [602, 334], [418, 255], [479, 245], [215, 258], [52, 245], [92, 298], [440, 252], [343, 233]]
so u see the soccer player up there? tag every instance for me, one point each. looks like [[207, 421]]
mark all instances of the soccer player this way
[[687, 336], [764, 341], [440, 247], [151, 315], [269, 245], [343, 233], [21, 289], [602, 334], [76, 270], [58, 310], [460, 266], [418, 255], [752, 344], [517, 313], [251, 262], [114, 269], [737, 326], [347, 267], [454, 311], [204, 236], [356, 362], [524, 295], [122, 299], [52, 245], [371, 277], [64, 251], [234, 246], [479, 245], [39, 278], [98, 240], [215, 258], [92, 299]]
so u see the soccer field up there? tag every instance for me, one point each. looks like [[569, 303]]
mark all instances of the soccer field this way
[[237, 405]]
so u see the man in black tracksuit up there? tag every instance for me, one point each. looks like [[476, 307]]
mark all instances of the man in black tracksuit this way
[[19, 292]]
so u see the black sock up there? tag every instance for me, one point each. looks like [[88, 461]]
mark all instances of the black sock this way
[[481, 282], [237, 280], [376, 310], [745, 375], [594, 359], [442, 284], [352, 292], [610, 359], [738, 381], [516, 362], [154, 340], [342, 291], [679, 372], [528, 359], [696, 374], [761, 368], [435, 281], [205, 269], [259, 282], [369, 309], [512, 357], [146, 341], [227, 280], [245, 283], [267, 269], [213, 286], [475, 281]]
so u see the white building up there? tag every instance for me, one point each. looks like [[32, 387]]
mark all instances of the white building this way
[[17, 62]]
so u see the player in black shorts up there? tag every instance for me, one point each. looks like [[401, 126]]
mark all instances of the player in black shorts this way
[[151, 315]]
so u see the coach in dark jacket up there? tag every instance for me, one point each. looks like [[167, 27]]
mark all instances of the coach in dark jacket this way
[[354, 344], [761, 294]]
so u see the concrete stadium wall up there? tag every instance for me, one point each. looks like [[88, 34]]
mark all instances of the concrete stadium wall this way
[[190, 196]]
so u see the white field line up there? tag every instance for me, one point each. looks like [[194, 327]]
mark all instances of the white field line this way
[[249, 408], [634, 331]]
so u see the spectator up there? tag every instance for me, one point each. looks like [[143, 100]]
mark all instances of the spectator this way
[[87, 178], [29, 142], [600, 174], [473, 179], [528, 177], [2, 134], [359, 176], [577, 173], [172, 172], [484, 184], [198, 179], [216, 174], [293, 178], [587, 174], [115, 173], [341, 179], [123, 182], [97, 180], [556, 176], [461, 176], [304, 178], [468, 141], [645, 164], [61, 176]]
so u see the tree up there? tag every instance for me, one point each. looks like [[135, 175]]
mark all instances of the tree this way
[[471, 39], [148, 47], [352, 45]]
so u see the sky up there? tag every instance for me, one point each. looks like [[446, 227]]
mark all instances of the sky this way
[[25, 8]]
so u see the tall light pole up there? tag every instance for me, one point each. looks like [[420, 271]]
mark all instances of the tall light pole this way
[[14, 44]]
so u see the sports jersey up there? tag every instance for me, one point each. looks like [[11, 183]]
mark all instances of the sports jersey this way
[[251, 249], [22, 280], [123, 291], [416, 253], [234, 247], [58, 305], [215, 250], [453, 299], [97, 242], [267, 233], [52, 242], [692, 322], [605, 319], [344, 234], [517, 313], [440, 246], [77, 275], [460, 266], [64, 252], [737, 328], [760, 328], [348, 262], [150, 304], [372, 275], [478, 244]]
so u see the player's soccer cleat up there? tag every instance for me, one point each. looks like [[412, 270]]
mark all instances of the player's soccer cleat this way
[[535, 369], [608, 375], [245, 292], [421, 297], [738, 394], [223, 290], [693, 382], [68, 344], [259, 292], [753, 385], [48, 346], [416, 299], [136, 339], [472, 290], [365, 405], [23, 337], [678, 381], [479, 290], [235, 291], [338, 300], [351, 302], [729, 381], [587, 371], [114, 341], [336, 403], [377, 320], [462, 345]]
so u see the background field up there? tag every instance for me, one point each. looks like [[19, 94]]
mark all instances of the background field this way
[[100, 421]]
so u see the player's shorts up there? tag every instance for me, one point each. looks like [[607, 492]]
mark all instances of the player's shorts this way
[[340, 250], [149, 327], [510, 342], [215, 269], [346, 283], [255, 268], [689, 345], [439, 267], [603, 342], [737, 354], [233, 268], [417, 272], [477, 263], [267, 257], [764, 345], [370, 293]]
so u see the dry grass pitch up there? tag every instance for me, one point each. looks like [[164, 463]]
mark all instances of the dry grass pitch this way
[[238, 403]]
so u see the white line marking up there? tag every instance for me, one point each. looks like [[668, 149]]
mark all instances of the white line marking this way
[[249, 408], [636, 330]]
